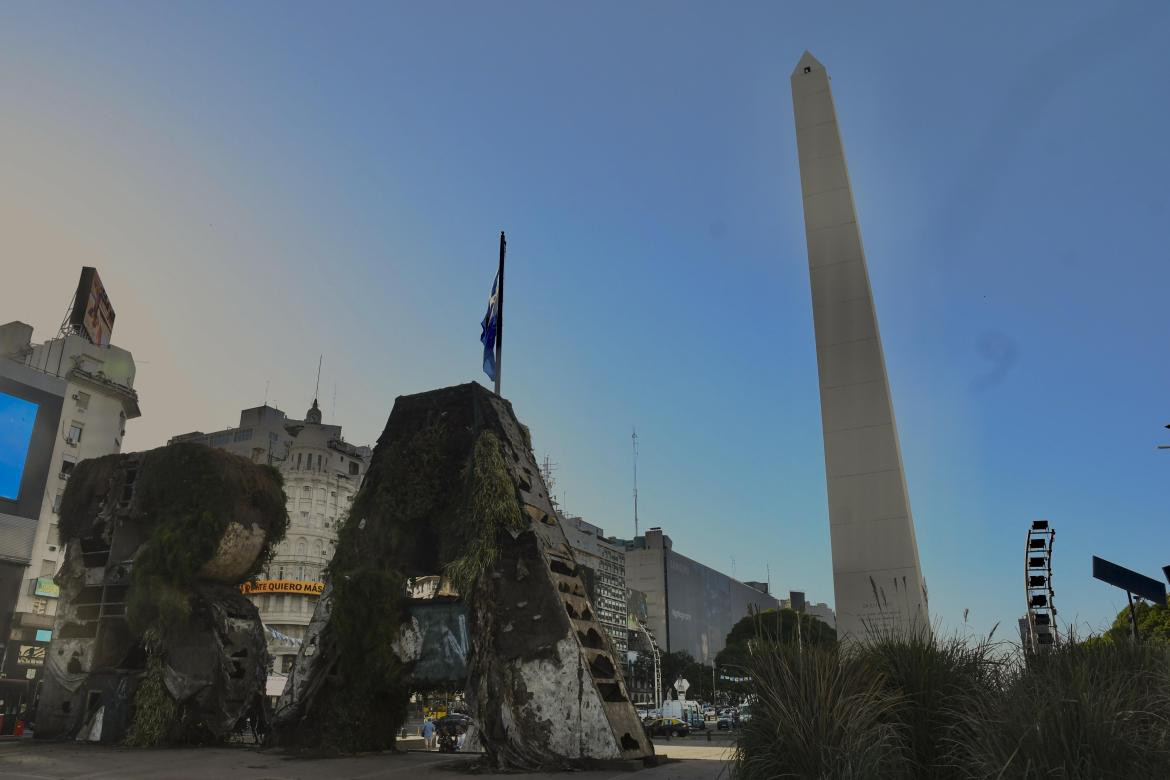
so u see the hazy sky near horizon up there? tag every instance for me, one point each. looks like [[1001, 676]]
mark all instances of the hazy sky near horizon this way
[[261, 183]]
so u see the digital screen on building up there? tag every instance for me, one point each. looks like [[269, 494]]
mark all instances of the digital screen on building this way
[[17, 418]]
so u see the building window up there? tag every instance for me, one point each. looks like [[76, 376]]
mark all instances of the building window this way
[[220, 439], [82, 401], [57, 502], [74, 435], [67, 467], [318, 463], [54, 533], [308, 491], [353, 469], [301, 550], [299, 461], [243, 434]]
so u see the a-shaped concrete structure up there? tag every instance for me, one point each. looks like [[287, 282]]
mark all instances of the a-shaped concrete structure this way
[[453, 490], [876, 574]]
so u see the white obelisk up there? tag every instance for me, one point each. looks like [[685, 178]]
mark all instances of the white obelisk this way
[[876, 574]]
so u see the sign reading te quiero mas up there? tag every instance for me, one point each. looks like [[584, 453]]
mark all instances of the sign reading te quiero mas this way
[[282, 586]]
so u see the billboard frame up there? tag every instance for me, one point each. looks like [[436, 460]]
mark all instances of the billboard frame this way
[[92, 314]]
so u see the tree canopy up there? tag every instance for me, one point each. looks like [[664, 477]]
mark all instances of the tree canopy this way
[[1153, 622], [782, 626]]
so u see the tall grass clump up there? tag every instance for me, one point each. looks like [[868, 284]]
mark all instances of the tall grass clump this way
[[820, 713], [936, 679], [1082, 710], [920, 705]]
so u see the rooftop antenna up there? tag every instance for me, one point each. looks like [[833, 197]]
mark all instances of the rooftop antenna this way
[[634, 439], [546, 471], [318, 387]]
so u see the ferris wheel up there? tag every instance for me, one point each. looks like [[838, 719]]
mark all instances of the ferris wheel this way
[[1040, 633]]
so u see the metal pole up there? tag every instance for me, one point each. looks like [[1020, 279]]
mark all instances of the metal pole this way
[[500, 315], [1132, 616]]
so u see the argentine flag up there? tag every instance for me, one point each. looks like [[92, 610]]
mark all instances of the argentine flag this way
[[488, 336]]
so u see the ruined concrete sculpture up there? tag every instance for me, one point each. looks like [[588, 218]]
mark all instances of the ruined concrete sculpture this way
[[453, 490], [154, 643]]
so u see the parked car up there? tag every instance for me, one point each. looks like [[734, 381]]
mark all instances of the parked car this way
[[728, 721], [696, 721], [667, 727]]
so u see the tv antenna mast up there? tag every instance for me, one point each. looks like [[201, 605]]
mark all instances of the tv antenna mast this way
[[317, 388], [634, 439], [546, 471]]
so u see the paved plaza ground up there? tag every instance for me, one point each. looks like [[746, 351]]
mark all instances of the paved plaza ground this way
[[34, 760]]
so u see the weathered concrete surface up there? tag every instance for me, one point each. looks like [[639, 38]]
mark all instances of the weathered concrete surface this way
[[156, 546], [544, 684], [68, 761]]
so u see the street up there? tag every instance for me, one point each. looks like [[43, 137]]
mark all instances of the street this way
[[688, 759]]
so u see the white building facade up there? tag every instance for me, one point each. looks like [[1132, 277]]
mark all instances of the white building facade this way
[[95, 385]]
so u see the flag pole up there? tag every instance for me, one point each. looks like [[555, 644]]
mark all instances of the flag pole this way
[[500, 315]]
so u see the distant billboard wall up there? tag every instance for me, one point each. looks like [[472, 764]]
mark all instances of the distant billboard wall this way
[[30, 415], [17, 418], [704, 604], [92, 311], [445, 642]]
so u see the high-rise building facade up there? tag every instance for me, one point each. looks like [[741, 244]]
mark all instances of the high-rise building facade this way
[[61, 402], [322, 473], [877, 579], [690, 607], [607, 560]]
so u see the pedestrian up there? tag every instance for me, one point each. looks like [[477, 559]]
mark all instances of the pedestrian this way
[[428, 733]]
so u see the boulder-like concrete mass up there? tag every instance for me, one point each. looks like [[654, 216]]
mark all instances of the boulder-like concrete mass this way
[[154, 643]]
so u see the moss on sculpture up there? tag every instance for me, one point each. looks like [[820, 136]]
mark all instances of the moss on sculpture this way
[[155, 712], [492, 508], [185, 496]]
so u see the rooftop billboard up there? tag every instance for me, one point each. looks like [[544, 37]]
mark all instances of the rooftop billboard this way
[[92, 311]]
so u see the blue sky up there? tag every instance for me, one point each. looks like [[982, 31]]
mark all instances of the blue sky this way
[[260, 183]]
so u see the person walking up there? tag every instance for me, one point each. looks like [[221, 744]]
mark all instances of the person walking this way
[[428, 733]]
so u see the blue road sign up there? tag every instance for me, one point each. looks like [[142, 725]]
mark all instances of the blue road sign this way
[[1129, 580]]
